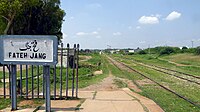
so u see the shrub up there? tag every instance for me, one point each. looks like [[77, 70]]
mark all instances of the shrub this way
[[131, 53], [142, 52], [198, 50], [184, 48], [167, 51]]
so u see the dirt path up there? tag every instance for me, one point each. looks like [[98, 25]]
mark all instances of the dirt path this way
[[108, 97], [105, 85]]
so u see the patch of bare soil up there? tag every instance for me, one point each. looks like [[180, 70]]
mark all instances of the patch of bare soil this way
[[26, 102], [144, 82], [108, 84], [131, 85], [85, 58], [98, 72], [2, 90], [62, 106], [105, 85], [30, 103]]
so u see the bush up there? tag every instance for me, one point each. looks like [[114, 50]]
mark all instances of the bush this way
[[131, 53], [198, 50], [167, 51], [184, 48], [142, 52], [158, 50]]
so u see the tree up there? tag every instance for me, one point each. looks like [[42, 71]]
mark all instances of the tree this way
[[167, 51], [198, 50], [8, 10], [184, 48], [35, 17], [142, 52]]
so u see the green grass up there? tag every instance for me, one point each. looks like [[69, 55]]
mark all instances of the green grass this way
[[153, 59], [186, 89], [4, 103], [120, 83], [168, 101], [86, 69]]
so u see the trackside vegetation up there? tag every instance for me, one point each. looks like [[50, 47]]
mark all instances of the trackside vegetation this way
[[87, 67], [168, 101]]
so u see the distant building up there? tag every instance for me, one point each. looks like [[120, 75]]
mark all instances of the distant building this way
[[87, 51], [131, 51], [112, 51], [138, 49], [100, 52]]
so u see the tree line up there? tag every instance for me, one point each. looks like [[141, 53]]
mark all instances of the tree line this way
[[167, 50], [31, 17]]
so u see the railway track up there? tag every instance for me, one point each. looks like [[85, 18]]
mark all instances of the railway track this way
[[184, 76], [114, 62]]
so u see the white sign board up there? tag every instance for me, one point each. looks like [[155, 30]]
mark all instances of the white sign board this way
[[29, 49]]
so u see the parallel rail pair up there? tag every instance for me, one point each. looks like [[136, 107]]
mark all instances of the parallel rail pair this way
[[162, 86]]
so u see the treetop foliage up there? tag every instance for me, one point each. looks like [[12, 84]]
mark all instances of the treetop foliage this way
[[31, 17], [166, 50]]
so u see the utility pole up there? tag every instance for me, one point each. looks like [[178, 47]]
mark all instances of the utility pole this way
[[192, 43], [149, 49]]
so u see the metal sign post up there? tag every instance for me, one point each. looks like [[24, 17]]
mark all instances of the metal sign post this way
[[47, 84], [13, 86], [29, 50]]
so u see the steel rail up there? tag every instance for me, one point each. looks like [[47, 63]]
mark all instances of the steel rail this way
[[187, 74], [158, 67], [175, 93]]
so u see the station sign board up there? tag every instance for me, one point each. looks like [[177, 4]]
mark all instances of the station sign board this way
[[28, 49]]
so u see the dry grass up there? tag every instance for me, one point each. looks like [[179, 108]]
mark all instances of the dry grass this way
[[187, 59]]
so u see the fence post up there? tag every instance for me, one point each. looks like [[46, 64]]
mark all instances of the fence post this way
[[8, 66], [44, 83], [54, 82], [4, 82], [20, 80], [38, 73], [73, 72], [77, 64], [32, 67], [67, 71], [61, 70], [26, 81]]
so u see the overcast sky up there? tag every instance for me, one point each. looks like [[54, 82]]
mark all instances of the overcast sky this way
[[131, 23]]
